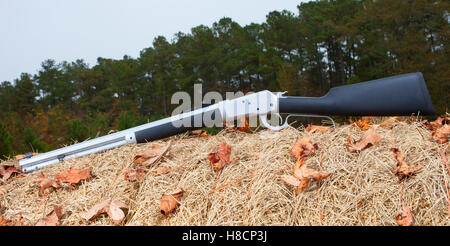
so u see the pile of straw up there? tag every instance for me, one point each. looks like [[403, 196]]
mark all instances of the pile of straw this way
[[362, 189]]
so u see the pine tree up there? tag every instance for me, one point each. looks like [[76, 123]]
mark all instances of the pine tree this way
[[5, 141]]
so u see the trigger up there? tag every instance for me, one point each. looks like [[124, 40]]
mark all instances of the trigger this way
[[264, 121]]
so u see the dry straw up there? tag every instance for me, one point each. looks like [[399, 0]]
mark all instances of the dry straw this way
[[361, 191]]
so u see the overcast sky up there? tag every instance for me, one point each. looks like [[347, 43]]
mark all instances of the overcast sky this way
[[34, 30]]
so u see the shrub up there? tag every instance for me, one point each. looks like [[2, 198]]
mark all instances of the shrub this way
[[126, 120], [77, 131], [5, 141], [98, 124], [33, 143]]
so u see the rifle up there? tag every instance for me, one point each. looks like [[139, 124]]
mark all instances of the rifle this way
[[398, 95]]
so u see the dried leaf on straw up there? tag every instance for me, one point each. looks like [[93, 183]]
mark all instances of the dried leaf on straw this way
[[220, 158], [404, 218], [320, 129], [402, 169], [243, 125], [438, 123], [441, 134], [302, 176], [52, 219], [170, 201], [151, 156], [303, 147], [304, 183], [7, 171], [3, 191], [305, 174], [45, 183], [161, 171], [97, 209], [73, 176], [229, 126], [5, 222], [198, 133], [113, 208], [115, 211], [135, 175], [368, 139], [389, 123], [363, 124], [291, 180]]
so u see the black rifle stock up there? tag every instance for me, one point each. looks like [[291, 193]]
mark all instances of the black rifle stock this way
[[398, 95]]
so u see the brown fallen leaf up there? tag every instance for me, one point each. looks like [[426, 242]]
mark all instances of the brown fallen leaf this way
[[152, 156], [52, 219], [314, 128], [5, 222], [302, 176], [231, 127], [402, 169], [363, 124], [20, 157], [198, 133], [441, 134], [73, 176], [45, 183], [220, 158], [305, 174], [213, 158], [438, 123], [368, 139], [300, 162], [389, 123], [115, 211], [243, 125], [304, 183], [135, 175], [161, 171], [3, 191], [404, 218], [113, 208], [96, 210], [170, 201], [290, 179], [7, 171], [303, 147]]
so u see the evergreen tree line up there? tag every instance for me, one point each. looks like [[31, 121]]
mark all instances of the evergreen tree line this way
[[327, 43]]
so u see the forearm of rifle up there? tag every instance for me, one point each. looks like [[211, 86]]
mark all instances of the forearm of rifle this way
[[140, 134], [178, 124]]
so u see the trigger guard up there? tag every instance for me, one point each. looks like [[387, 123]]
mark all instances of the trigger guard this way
[[263, 119]]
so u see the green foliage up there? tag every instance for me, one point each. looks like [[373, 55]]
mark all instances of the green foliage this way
[[99, 124], [353, 79], [32, 143], [127, 120], [5, 141], [155, 117], [212, 130], [77, 131]]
